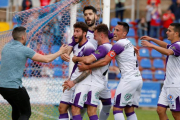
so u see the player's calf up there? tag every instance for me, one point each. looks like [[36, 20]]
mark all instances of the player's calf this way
[[76, 111], [63, 113], [91, 110], [118, 113], [162, 113], [105, 109], [176, 115]]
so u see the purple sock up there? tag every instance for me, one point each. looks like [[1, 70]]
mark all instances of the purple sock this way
[[129, 114], [62, 116], [77, 117], [94, 117]]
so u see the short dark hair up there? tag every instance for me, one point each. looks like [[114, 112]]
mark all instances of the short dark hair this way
[[82, 26], [90, 8], [125, 26], [176, 27], [17, 32], [102, 28]]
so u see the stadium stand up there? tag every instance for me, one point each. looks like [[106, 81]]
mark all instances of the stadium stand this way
[[158, 63], [147, 75], [145, 63], [144, 52], [156, 54]]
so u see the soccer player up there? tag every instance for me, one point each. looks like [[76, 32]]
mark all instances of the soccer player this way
[[129, 89], [90, 15], [83, 48], [98, 79], [170, 94], [13, 59]]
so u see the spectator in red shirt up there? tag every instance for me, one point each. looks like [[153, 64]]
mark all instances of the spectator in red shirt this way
[[26, 4], [155, 20], [157, 2], [167, 18], [44, 2]]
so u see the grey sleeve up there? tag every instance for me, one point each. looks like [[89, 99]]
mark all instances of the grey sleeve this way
[[29, 53]]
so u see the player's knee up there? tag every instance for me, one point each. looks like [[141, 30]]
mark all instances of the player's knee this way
[[117, 109], [160, 111], [75, 110], [91, 112], [62, 109]]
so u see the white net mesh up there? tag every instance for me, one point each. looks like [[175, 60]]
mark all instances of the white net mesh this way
[[47, 29]]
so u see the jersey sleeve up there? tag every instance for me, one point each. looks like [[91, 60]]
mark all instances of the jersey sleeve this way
[[29, 53], [176, 48], [73, 43], [110, 35], [100, 52], [88, 51], [116, 50]]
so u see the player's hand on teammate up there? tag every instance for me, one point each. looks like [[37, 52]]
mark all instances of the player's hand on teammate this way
[[82, 66], [74, 59], [136, 50], [65, 57], [63, 48], [65, 86], [146, 43], [70, 84]]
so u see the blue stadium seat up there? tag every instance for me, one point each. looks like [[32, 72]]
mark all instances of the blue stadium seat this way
[[131, 33], [80, 19], [139, 43], [154, 43], [119, 76], [127, 20], [100, 20], [57, 61], [155, 54], [114, 21], [29, 61], [147, 74], [145, 63], [133, 41], [58, 72], [144, 52], [167, 41], [158, 63], [54, 48], [159, 74], [45, 48]]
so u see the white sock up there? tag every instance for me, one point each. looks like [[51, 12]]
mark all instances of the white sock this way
[[104, 114], [83, 111], [118, 115], [131, 116], [70, 113]]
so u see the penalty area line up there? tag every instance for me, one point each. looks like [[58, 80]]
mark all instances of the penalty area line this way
[[40, 113]]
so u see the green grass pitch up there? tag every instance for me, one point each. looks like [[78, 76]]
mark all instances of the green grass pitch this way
[[50, 112]]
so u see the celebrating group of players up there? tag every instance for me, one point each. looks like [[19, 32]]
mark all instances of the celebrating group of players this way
[[88, 84]]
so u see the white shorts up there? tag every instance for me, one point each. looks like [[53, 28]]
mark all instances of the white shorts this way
[[93, 96], [67, 96], [128, 94], [105, 93], [170, 97], [80, 95]]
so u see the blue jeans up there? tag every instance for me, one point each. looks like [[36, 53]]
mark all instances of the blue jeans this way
[[154, 31], [142, 32]]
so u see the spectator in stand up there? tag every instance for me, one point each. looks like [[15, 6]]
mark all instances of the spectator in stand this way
[[167, 18], [44, 2], [149, 9], [142, 27], [155, 20], [119, 5], [156, 1], [26, 4], [175, 8]]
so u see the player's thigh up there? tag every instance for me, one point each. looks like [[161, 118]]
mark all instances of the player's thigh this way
[[80, 95], [173, 97], [163, 102], [125, 93], [67, 96], [93, 96], [137, 95], [105, 94]]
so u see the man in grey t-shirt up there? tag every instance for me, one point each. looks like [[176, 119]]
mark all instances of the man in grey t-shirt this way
[[13, 59]]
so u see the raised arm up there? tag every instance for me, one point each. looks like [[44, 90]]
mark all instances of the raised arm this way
[[48, 58], [86, 59], [159, 42]]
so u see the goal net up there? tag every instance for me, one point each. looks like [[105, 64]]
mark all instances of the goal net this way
[[48, 28]]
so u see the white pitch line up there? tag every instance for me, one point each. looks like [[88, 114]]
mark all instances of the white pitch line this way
[[40, 113]]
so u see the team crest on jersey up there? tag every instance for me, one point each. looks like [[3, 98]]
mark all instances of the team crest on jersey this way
[[127, 96], [173, 47], [97, 52], [170, 97], [112, 54]]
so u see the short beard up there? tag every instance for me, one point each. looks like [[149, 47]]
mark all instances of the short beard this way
[[93, 22], [80, 38]]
